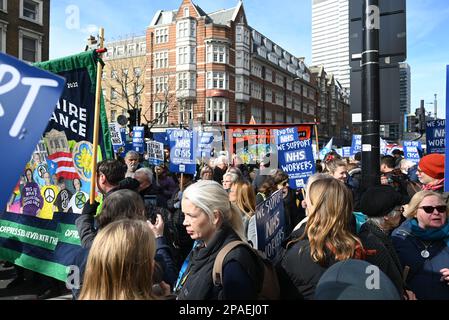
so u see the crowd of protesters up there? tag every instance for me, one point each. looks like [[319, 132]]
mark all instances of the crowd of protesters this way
[[156, 234]]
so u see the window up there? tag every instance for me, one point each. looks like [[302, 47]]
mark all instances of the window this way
[[161, 84], [2, 36], [30, 47], [268, 95], [240, 113], [216, 110], [113, 115], [256, 91], [161, 35], [268, 116], [185, 112], [161, 59], [242, 84], [256, 112], [183, 80], [182, 55], [279, 117], [186, 12], [268, 74], [31, 10], [192, 54], [242, 35], [279, 98], [4, 5], [256, 69], [114, 94], [242, 60], [217, 80], [142, 47], [114, 74], [289, 102], [120, 51], [160, 113], [279, 80], [131, 49], [183, 29], [217, 53]]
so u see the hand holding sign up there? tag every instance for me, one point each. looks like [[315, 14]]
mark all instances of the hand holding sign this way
[[28, 98]]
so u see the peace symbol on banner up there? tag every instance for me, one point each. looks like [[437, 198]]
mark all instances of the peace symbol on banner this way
[[82, 159], [49, 195]]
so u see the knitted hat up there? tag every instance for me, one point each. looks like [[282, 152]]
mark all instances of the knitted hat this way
[[347, 280], [433, 165], [380, 200]]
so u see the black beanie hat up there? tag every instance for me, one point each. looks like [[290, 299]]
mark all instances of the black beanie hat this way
[[380, 200]]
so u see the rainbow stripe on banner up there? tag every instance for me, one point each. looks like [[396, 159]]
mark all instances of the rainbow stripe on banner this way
[[44, 246]]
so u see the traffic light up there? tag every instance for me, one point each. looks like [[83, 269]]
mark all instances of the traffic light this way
[[134, 118]]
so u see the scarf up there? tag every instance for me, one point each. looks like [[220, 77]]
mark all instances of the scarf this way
[[439, 184], [431, 234]]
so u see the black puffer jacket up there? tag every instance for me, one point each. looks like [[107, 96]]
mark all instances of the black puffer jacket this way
[[242, 272]]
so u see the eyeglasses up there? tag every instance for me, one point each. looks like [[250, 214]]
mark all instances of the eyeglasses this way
[[431, 209], [400, 210]]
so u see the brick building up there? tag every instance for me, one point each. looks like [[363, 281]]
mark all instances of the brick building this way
[[25, 29], [216, 68]]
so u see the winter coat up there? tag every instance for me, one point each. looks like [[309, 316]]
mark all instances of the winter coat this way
[[424, 275], [241, 271], [383, 253]]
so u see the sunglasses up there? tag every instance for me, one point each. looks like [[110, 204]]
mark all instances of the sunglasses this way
[[430, 209]]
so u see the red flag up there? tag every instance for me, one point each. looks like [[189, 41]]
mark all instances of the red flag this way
[[65, 169]]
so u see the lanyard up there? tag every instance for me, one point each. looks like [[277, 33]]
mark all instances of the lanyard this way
[[182, 277]]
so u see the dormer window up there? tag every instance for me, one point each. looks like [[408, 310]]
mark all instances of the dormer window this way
[[186, 12]]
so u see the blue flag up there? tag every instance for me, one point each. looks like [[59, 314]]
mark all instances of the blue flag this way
[[326, 149]]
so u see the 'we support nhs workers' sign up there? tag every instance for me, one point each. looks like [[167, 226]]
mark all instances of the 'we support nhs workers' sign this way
[[182, 151], [435, 136], [295, 157], [270, 225], [138, 139], [411, 150], [28, 97]]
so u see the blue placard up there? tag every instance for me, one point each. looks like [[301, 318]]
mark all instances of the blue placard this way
[[356, 145], [205, 144], [435, 136], [182, 151], [411, 150], [138, 139], [28, 99], [446, 172], [346, 152], [295, 157], [270, 222]]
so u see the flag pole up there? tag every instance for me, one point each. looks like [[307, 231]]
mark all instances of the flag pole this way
[[316, 138], [96, 119]]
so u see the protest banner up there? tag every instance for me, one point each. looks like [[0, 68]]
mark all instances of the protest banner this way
[[155, 151], [55, 183], [295, 157], [182, 151], [270, 225], [356, 145], [346, 152], [116, 136], [28, 99], [446, 172], [138, 139], [435, 136], [411, 150], [205, 144]]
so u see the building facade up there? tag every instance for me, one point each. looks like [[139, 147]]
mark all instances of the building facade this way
[[215, 68], [25, 29], [124, 77], [330, 38], [334, 108], [404, 87]]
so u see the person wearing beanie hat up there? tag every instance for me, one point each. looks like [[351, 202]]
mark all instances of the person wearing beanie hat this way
[[383, 207], [431, 172], [347, 280]]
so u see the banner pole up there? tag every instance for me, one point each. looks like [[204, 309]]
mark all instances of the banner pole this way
[[182, 182], [316, 138], [96, 119]]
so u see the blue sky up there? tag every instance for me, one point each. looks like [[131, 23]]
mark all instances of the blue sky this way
[[286, 22]]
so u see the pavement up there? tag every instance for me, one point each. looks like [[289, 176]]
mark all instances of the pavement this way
[[34, 287]]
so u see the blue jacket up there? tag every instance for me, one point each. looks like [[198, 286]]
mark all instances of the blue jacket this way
[[424, 275]]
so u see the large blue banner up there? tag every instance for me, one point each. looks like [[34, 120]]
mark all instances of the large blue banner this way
[[28, 99], [356, 145], [182, 150], [270, 222], [295, 157], [412, 150], [205, 144], [346, 152], [435, 136]]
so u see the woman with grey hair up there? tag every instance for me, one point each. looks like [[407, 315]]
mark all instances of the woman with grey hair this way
[[229, 178], [213, 221]]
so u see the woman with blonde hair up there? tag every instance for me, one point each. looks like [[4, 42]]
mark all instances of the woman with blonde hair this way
[[327, 238], [337, 168], [422, 244], [213, 222], [243, 196], [120, 263]]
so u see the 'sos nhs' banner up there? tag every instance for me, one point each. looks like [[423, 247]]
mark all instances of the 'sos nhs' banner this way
[[28, 97]]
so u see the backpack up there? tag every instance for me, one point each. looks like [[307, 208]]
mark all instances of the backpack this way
[[269, 290]]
